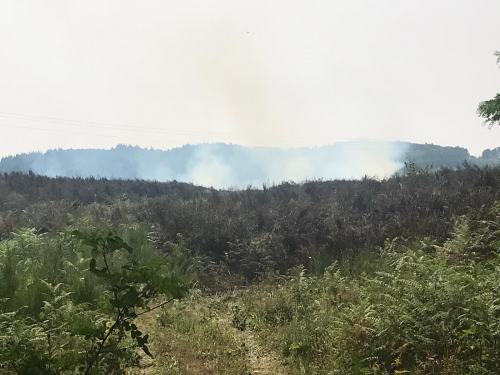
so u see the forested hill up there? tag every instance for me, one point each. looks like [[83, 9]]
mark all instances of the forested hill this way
[[225, 165]]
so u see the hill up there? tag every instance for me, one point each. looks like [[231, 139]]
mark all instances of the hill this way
[[225, 165]]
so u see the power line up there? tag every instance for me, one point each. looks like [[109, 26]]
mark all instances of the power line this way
[[134, 138], [145, 129], [97, 135], [157, 130], [175, 142], [139, 129], [92, 134]]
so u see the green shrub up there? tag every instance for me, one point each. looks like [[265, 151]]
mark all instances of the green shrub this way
[[71, 305]]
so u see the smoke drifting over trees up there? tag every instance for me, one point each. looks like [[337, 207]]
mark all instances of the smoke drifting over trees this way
[[222, 166]]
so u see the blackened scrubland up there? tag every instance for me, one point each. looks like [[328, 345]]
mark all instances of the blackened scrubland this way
[[244, 232], [367, 276]]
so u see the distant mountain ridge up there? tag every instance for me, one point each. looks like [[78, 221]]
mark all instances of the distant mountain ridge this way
[[226, 165]]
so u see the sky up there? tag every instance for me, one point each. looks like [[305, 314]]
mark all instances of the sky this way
[[92, 74]]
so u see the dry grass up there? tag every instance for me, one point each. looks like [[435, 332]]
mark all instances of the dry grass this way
[[196, 336], [188, 337]]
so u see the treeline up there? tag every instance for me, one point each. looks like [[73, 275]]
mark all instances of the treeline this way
[[240, 165], [216, 233], [436, 156]]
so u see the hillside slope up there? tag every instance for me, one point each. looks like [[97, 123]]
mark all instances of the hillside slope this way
[[222, 165]]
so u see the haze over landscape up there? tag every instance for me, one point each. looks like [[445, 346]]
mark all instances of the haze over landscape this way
[[219, 165], [250, 187], [91, 75], [225, 166]]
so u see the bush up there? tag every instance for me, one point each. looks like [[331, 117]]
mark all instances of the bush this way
[[53, 323]]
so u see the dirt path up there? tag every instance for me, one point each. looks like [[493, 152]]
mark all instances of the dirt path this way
[[260, 361]]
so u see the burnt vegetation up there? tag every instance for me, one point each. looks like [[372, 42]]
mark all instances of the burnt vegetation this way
[[245, 232], [368, 276]]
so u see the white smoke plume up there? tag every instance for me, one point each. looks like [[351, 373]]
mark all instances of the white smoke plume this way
[[219, 165]]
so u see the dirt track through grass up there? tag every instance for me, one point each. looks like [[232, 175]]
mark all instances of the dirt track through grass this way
[[260, 360]]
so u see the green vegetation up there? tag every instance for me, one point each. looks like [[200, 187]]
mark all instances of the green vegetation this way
[[67, 306], [490, 109], [410, 307], [395, 276], [371, 277]]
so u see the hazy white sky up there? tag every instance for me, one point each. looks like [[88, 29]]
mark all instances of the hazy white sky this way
[[270, 73]]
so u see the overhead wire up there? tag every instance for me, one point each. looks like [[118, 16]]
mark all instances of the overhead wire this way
[[92, 134], [160, 140], [106, 126], [139, 129], [157, 130], [146, 129]]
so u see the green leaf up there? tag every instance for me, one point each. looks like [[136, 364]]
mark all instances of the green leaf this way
[[295, 346], [470, 331]]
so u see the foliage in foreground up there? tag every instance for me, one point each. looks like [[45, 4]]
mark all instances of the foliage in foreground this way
[[418, 309], [195, 336], [490, 109], [412, 307], [68, 304], [408, 307]]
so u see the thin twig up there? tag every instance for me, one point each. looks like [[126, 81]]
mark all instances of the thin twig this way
[[156, 307]]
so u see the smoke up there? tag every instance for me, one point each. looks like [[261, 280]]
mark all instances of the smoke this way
[[243, 91], [350, 160], [208, 169], [224, 166], [246, 95], [381, 159], [219, 165]]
